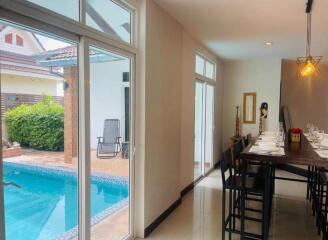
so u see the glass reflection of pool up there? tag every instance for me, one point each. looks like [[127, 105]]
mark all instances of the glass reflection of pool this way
[[45, 207]]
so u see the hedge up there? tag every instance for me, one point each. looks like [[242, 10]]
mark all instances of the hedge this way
[[39, 126]]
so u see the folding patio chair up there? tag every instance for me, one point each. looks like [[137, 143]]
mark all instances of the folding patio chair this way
[[109, 144]]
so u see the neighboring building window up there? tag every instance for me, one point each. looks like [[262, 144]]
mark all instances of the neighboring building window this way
[[205, 67], [9, 38], [19, 41]]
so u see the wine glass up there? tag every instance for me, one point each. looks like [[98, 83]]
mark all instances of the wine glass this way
[[315, 131], [320, 137], [280, 139], [309, 126]]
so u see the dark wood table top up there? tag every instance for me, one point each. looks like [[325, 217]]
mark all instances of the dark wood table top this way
[[295, 153]]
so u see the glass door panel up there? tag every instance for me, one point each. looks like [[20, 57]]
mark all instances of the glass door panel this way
[[209, 125], [199, 112], [110, 124], [39, 110], [204, 125]]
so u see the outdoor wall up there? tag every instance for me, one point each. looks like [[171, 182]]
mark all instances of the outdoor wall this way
[[306, 99], [260, 76], [28, 85], [29, 47], [190, 46], [106, 96]]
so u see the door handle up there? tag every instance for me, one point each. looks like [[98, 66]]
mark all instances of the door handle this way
[[11, 184]]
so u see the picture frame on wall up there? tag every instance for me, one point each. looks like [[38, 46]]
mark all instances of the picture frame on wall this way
[[249, 108]]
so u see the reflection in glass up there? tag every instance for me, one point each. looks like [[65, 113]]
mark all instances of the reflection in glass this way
[[108, 17], [68, 8]]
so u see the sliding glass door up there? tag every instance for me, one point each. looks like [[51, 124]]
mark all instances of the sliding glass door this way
[[110, 125], [209, 127], [45, 101], [199, 131], [204, 126], [39, 107]]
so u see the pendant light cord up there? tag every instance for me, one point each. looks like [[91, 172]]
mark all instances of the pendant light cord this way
[[308, 37]]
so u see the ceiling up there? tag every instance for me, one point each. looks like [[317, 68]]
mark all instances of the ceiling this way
[[238, 29]]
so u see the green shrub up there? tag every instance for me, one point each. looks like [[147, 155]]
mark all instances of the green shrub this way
[[39, 126]]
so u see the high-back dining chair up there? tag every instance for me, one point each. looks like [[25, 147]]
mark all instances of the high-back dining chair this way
[[239, 186]]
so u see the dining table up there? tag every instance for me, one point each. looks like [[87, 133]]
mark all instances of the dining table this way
[[300, 153]]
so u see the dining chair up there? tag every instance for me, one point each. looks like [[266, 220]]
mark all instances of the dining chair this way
[[241, 188]]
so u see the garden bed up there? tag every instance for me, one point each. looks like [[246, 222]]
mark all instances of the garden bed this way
[[12, 152]]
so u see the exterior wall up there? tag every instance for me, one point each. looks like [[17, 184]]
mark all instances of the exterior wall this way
[[71, 114], [28, 85], [106, 96], [106, 101], [29, 47], [260, 76], [306, 99]]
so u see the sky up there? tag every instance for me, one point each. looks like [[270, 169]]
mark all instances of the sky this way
[[50, 43]]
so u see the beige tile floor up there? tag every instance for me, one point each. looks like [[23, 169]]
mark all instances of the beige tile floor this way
[[199, 217]]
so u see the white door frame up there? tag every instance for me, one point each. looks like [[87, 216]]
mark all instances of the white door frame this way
[[132, 58]]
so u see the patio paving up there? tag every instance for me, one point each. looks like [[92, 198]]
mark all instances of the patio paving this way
[[114, 166]]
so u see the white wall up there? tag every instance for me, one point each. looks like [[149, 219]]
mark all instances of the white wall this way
[[166, 95], [260, 76], [106, 95], [29, 47], [28, 85], [163, 112]]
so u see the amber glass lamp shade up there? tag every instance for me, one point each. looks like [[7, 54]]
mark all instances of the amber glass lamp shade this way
[[308, 69]]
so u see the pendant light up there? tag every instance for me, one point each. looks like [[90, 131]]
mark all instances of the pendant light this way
[[308, 65]]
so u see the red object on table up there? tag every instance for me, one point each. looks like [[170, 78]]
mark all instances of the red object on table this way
[[296, 130]]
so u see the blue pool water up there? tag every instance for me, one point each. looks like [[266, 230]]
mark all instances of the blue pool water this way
[[45, 207]]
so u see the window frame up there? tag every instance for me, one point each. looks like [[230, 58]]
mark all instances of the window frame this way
[[24, 13], [44, 15], [206, 60]]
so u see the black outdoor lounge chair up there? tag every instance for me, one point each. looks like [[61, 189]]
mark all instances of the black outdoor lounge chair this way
[[109, 145]]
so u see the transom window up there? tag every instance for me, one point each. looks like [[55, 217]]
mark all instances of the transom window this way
[[205, 67], [107, 16]]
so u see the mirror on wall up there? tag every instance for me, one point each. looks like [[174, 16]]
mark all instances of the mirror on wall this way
[[249, 108]]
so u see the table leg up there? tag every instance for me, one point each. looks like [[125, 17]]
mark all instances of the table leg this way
[[266, 203], [242, 201]]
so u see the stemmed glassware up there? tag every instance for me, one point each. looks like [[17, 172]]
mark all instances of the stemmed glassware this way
[[280, 138], [309, 127], [320, 137], [315, 131]]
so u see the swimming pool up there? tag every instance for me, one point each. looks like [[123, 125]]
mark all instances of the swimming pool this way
[[46, 205]]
